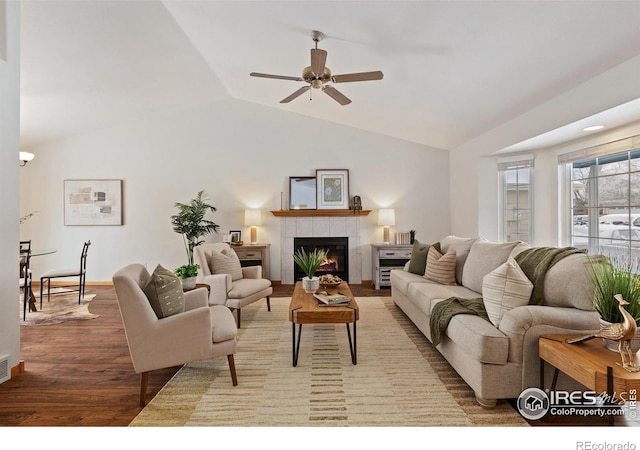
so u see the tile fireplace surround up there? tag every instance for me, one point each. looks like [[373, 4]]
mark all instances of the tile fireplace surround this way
[[292, 227]]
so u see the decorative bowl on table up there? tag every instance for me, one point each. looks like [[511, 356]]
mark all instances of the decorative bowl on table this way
[[329, 281]]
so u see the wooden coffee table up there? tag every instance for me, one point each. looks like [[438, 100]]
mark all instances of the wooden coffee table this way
[[305, 309]]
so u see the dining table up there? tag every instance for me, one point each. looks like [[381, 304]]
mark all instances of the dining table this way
[[34, 252]]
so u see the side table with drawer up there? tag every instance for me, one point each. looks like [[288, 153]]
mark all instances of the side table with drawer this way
[[386, 257], [254, 255]]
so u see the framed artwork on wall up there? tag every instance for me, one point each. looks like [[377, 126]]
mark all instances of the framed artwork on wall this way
[[332, 186], [93, 202], [302, 192]]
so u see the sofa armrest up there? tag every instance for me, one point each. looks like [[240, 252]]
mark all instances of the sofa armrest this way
[[195, 299], [524, 325], [219, 285], [253, 272]]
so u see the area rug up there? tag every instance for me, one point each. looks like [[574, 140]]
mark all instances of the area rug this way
[[62, 307], [399, 380]]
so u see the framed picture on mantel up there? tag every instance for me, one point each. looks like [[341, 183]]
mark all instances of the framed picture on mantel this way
[[332, 188]]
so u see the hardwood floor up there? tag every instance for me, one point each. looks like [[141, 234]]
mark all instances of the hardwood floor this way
[[79, 373]]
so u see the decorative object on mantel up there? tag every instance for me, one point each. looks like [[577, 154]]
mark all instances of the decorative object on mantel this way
[[356, 204], [386, 218], [332, 188], [253, 218], [190, 222], [622, 333], [302, 193], [309, 263]]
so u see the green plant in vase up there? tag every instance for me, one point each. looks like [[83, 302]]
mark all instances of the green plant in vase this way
[[613, 276], [191, 223], [309, 263]]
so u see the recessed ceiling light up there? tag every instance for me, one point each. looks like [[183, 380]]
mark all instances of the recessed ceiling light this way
[[593, 128]]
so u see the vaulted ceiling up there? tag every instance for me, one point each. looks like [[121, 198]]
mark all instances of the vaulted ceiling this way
[[452, 70]]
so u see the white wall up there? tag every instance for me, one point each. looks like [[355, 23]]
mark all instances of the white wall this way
[[241, 154], [473, 171], [9, 147]]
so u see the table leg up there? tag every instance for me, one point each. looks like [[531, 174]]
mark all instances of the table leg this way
[[296, 345], [32, 301], [353, 344]]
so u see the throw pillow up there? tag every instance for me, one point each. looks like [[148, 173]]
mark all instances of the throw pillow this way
[[418, 261], [483, 258], [505, 288], [226, 262], [441, 268], [461, 246], [164, 292]]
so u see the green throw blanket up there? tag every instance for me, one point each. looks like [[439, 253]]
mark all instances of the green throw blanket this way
[[534, 262]]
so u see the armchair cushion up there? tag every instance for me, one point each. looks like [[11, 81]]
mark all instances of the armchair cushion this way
[[225, 262], [247, 286], [164, 292]]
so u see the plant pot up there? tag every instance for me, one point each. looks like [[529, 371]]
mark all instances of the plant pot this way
[[310, 285], [188, 283], [613, 345]]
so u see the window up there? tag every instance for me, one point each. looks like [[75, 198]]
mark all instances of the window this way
[[517, 196], [605, 203]]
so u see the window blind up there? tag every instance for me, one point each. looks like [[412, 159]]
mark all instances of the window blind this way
[[588, 153]]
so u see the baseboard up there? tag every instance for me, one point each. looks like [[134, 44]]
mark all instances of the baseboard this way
[[17, 370], [367, 283], [276, 282]]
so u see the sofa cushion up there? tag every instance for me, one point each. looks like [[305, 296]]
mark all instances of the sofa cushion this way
[[418, 261], [400, 280], [441, 268], [505, 288], [483, 258], [423, 294], [225, 262], [461, 246], [164, 292], [480, 340], [569, 283]]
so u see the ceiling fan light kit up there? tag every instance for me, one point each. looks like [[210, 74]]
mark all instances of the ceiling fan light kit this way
[[317, 75]]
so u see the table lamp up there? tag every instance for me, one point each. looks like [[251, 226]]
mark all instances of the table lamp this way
[[252, 218], [386, 218]]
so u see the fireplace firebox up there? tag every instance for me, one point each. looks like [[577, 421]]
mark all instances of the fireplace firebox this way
[[337, 262]]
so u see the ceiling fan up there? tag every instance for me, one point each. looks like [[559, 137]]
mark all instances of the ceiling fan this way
[[318, 75]]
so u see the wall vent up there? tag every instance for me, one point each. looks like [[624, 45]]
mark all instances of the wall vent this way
[[5, 373]]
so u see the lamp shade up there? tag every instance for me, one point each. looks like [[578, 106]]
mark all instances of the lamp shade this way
[[386, 217], [252, 217], [25, 157]]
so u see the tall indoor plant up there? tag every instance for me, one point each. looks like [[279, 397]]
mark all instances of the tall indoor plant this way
[[191, 223], [613, 276], [309, 262]]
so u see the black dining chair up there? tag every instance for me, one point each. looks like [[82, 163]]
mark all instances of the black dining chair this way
[[64, 273], [25, 274]]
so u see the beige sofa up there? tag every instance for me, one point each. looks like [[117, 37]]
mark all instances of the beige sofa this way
[[497, 362]]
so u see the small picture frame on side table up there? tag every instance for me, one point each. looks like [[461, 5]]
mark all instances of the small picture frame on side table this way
[[236, 236]]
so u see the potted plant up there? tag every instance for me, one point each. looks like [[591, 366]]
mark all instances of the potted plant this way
[[191, 223], [309, 264], [611, 277]]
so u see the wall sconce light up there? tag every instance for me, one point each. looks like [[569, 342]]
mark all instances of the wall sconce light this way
[[253, 218], [25, 157], [386, 218]]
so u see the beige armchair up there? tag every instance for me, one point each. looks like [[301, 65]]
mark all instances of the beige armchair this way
[[199, 333], [232, 286]]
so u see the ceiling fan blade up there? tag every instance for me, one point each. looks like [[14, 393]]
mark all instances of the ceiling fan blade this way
[[297, 93], [318, 59], [276, 77], [336, 95], [361, 76]]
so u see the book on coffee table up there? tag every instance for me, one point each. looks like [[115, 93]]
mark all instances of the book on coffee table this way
[[332, 299]]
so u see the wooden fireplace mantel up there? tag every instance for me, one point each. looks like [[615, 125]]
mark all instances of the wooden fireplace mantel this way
[[320, 212]]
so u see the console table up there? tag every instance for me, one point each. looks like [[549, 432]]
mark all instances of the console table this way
[[386, 257], [254, 255]]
